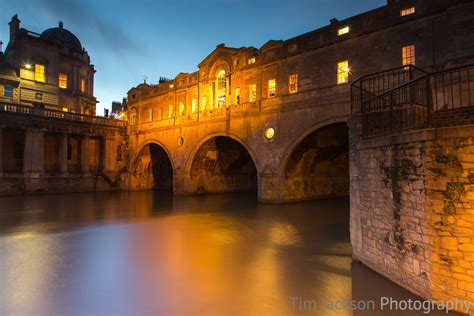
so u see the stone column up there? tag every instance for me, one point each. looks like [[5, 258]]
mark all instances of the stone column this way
[[33, 157], [110, 154], [64, 152], [270, 187], [85, 154], [180, 182]]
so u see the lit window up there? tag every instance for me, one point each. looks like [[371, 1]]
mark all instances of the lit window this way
[[407, 11], [133, 118], [221, 89], [408, 55], [39, 73], [342, 31], [204, 103], [252, 93], [292, 47], [343, 72], [83, 85], [271, 88], [182, 108], [293, 83], [151, 115], [251, 61], [65, 110], [8, 91], [194, 105], [171, 86], [237, 95], [63, 81], [170, 111]]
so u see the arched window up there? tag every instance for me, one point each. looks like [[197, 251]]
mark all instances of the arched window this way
[[221, 89]]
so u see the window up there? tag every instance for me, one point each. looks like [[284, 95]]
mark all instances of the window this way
[[133, 118], [63, 81], [251, 60], [83, 85], [221, 88], [194, 106], [292, 47], [182, 108], [343, 30], [8, 91], [204, 103], [408, 55], [343, 72], [271, 88], [407, 11], [237, 95], [151, 115], [170, 111], [39, 73], [293, 83], [252, 93]]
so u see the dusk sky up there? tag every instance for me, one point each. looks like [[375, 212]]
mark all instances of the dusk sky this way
[[128, 40]]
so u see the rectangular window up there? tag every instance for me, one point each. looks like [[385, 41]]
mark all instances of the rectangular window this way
[[151, 115], [407, 11], [133, 118], [271, 88], [63, 81], [251, 60], [293, 83], [343, 72], [170, 111], [252, 93], [8, 91], [194, 106], [204, 103], [408, 55], [182, 108], [237, 95], [343, 30], [39, 73], [83, 85]]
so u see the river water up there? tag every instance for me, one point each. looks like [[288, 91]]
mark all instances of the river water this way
[[145, 253]]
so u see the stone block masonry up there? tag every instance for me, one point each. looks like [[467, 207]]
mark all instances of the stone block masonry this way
[[412, 209]]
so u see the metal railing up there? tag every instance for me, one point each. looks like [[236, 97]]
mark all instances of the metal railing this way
[[371, 85], [437, 99], [10, 108]]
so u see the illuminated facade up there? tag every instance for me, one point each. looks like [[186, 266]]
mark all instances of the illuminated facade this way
[[50, 70]]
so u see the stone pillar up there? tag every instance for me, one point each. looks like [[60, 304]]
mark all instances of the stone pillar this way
[[270, 187], [33, 157], [110, 154], [180, 182], [85, 154], [64, 152]]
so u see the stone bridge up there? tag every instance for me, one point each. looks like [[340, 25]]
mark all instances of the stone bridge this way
[[295, 152]]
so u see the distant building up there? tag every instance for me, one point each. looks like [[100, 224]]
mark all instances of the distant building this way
[[50, 70]]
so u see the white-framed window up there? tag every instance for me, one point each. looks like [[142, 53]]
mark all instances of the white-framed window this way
[[271, 88], [293, 83], [343, 72], [408, 55]]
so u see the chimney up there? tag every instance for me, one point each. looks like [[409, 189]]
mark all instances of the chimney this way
[[14, 27]]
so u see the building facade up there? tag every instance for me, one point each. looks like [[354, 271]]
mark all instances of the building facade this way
[[49, 70]]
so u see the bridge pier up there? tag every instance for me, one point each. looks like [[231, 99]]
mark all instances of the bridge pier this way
[[270, 187]]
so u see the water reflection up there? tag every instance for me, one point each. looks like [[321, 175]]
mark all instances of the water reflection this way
[[142, 253]]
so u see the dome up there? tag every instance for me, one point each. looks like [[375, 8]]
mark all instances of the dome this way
[[63, 37]]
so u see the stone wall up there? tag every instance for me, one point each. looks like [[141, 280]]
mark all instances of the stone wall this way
[[412, 199]]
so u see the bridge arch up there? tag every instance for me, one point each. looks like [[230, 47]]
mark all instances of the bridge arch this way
[[317, 164], [151, 167], [221, 162]]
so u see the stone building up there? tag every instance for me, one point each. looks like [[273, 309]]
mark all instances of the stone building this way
[[49, 70], [50, 138]]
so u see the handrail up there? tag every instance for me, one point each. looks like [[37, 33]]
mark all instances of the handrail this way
[[56, 114]]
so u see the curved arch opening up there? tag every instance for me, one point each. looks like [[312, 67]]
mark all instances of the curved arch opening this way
[[222, 165], [318, 167], [153, 169]]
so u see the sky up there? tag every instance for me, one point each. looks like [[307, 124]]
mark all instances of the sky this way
[[129, 41]]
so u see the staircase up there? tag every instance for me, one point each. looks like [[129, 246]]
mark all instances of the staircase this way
[[112, 185]]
